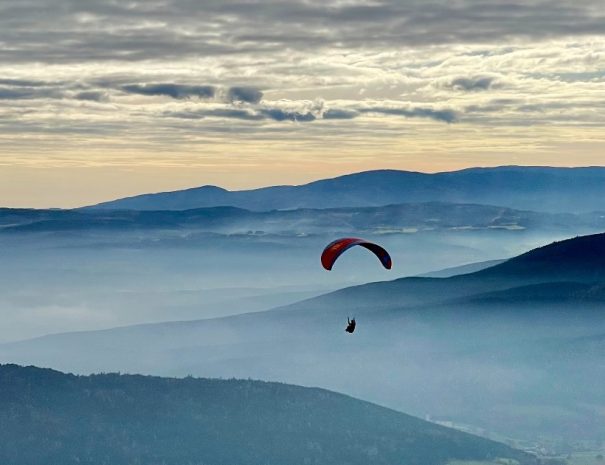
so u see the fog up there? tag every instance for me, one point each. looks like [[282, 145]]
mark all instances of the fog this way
[[527, 374], [68, 281], [515, 355]]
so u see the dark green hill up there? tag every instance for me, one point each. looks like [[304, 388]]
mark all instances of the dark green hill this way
[[47, 417], [580, 258]]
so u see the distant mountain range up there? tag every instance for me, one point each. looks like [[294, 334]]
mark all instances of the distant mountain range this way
[[53, 418], [483, 347], [389, 219], [519, 187]]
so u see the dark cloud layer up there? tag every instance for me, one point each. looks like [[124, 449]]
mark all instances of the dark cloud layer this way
[[472, 84], [446, 116], [233, 98], [26, 93], [244, 94], [228, 113], [176, 91], [283, 115], [24, 83], [277, 114], [237, 94], [98, 30], [335, 113], [93, 96]]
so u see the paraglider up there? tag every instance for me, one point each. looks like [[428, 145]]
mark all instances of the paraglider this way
[[350, 325], [336, 248]]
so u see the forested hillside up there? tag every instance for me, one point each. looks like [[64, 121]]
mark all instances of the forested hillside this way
[[50, 418]]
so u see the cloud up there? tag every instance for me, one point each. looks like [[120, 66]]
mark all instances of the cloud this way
[[260, 64], [446, 116], [234, 113], [271, 113], [472, 84], [493, 105], [176, 91], [278, 114], [310, 114], [244, 94], [15, 94], [335, 113], [234, 94], [97, 30], [228, 113], [26, 93], [20, 89], [23, 83], [93, 96]]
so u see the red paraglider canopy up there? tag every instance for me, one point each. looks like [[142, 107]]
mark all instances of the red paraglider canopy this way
[[335, 249]]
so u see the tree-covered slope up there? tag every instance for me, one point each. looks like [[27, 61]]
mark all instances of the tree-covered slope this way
[[47, 417], [579, 258]]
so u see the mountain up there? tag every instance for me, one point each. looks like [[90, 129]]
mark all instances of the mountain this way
[[390, 219], [581, 259], [520, 187], [10, 217], [49, 417], [493, 348], [461, 269]]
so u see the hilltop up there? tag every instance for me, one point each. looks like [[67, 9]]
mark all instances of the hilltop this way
[[50, 417]]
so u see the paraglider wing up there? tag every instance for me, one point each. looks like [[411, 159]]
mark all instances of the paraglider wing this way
[[335, 249]]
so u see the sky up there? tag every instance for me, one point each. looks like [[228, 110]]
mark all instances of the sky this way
[[103, 99]]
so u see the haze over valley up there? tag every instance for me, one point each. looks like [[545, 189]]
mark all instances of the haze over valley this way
[[82, 269], [510, 347], [480, 348]]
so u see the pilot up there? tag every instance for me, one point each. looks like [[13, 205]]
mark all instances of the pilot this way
[[350, 325]]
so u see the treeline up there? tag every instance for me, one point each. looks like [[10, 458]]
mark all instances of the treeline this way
[[51, 418]]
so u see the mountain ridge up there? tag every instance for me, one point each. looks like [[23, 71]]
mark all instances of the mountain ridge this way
[[536, 188], [385, 219]]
